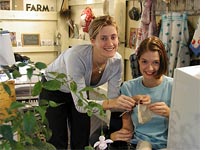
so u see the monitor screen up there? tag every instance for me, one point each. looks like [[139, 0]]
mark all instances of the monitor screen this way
[[6, 52]]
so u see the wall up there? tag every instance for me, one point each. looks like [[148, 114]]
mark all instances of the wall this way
[[33, 21]]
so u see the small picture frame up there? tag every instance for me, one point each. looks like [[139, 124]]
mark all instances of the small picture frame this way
[[30, 39], [133, 37], [5, 4]]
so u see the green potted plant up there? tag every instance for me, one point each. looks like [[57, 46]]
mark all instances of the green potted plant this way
[[30, 125]]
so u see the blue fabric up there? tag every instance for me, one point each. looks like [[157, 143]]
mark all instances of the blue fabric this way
[[196, 51], [156, 130]]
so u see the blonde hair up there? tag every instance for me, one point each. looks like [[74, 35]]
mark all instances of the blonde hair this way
[[98, 23]]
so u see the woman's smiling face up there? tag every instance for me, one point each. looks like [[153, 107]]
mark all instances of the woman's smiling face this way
[[106, 42], [149, 64]]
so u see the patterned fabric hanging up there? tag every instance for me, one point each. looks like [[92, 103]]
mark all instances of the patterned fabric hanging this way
[[175, 35], [148, 25]]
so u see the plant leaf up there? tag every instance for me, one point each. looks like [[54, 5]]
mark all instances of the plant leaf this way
[[73, 86], [52, 85], [29, 72], [37, 88], [6, 132], [43, 102], [29, 122], [29, 139], [40, 65], [53, 104], [89, 112], [6, 88], [80, 102], [88, 88], [88, 148], [15, 105], [42, 112], [16, 74], [61, 76], [53, 73], [21, 64]]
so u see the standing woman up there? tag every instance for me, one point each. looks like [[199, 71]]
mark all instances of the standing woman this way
[[88, 65], [153, 63]]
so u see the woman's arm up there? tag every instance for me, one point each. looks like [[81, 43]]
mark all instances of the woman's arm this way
[[127, 122], [126, 132]]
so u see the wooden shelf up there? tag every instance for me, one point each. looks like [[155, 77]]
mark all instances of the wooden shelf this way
[[40, 49], [83, 2], [27, 15]]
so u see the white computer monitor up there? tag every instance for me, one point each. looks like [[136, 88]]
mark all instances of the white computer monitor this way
[[184, 121], [6, 52]]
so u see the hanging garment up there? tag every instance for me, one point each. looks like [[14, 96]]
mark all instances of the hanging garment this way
[[195, 43], [134, 66], [174, 34], [147, 27]]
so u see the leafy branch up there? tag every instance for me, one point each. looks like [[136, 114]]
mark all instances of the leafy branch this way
[[31, 124]]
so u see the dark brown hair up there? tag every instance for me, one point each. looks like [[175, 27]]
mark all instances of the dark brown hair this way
[[153, 43]]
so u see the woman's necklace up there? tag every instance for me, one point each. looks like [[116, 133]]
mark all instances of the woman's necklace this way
[[100, 69]]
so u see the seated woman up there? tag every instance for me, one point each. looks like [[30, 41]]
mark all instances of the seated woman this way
[[153, 63]]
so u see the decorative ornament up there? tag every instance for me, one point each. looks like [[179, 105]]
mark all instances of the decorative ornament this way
[[102, 143], [86, 17]]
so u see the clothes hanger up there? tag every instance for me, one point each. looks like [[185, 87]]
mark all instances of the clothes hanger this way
[[167, 5]]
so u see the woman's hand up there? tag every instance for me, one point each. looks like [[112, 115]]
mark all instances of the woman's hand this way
[[122, 103], [160, 108], [142, 99], [121, 135]]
